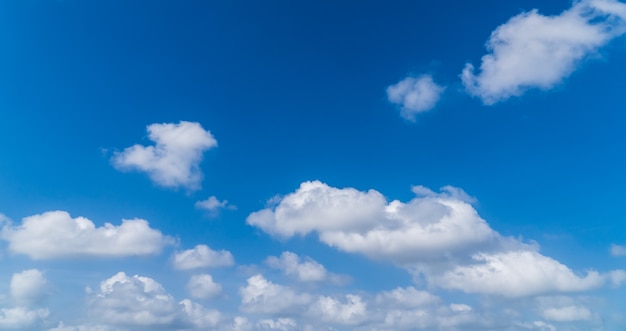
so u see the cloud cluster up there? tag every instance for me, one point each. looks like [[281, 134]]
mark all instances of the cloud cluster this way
[[438, 235], [141, 302], [532, 50], [398, 309], [56, 234], [174, 160]]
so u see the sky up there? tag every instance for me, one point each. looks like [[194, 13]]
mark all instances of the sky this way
[[321, 165]]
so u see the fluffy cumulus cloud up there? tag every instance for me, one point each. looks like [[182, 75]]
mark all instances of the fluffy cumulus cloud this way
[[518, 273], [142, 303], [56, 234], [307, 270], [133, 300], [532, 50], [202, 256], [262, 296], [415, 95], [438, 235], [203, 287], [174, 160], [28, 287], [365, 222]]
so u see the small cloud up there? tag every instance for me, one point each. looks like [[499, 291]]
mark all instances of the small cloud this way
[[213, 205], [460, 308], [174, 159], [202, 256], [415, 95], [567, 314], [617, 250], [304, 269]]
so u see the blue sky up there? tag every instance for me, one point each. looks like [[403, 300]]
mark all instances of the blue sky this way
[[283, 165]]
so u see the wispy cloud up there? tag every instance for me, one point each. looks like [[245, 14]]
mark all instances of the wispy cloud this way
[[213, 205]]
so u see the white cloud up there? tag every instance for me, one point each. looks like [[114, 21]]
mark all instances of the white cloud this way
[[28, 287], [140, 302], [331, 310], [364, 222], [438, 235], [202, 256], [174, 159], [515, 274], [412, 309], [290, 263], [56, 234], [567, 314], [617, 250], [536, 51], [212, 204], [409, 297], [414, 95], [460, 308], [135, 301], [240, 323], [538, 325], [283, 324], [203, 287], [21, 318], [63, 327], [200, 317], [263, 296]]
